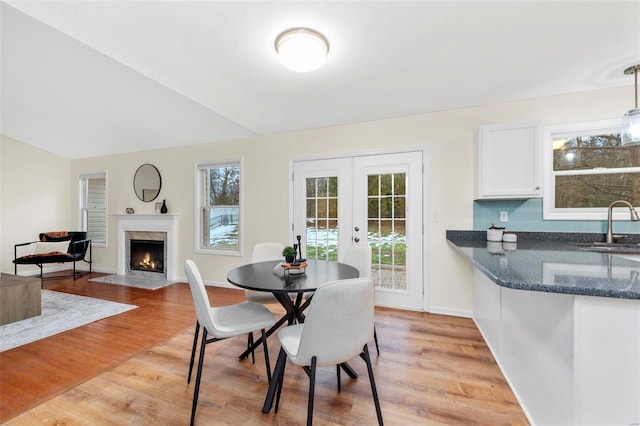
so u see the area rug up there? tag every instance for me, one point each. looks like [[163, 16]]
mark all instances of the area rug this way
[[60, 312]]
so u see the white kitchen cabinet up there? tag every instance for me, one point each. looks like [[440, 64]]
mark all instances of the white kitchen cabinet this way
[[487, 310], [508, 161], [569, 359]]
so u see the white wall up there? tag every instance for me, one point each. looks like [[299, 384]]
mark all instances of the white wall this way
[[34, 197], [448, 136]]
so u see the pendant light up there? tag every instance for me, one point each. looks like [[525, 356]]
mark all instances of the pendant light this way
[[630, 125], [302, 49]]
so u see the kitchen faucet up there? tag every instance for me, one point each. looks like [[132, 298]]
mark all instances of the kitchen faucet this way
[[632, 211]]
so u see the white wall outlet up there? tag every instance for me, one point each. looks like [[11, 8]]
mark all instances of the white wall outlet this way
[[504, 216]]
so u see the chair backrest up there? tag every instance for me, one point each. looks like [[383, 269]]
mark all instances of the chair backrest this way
[[339, 322], [77, 250], [360, 258], [199, 294], [266, 251], [80, 248]]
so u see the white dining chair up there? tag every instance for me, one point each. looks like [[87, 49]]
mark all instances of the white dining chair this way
[[338, 325], [223, 322], [263, 252], [360, 258]]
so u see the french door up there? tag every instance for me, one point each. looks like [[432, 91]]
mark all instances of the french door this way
[[370, 200]]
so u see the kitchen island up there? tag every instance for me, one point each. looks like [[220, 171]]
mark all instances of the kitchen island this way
[[562, 322]]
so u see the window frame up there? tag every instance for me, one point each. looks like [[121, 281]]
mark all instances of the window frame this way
[[83, 181], [550, 212], [199, 247]]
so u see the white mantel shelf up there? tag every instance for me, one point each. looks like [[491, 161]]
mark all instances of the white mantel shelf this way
[[153, 223], [150, 216]]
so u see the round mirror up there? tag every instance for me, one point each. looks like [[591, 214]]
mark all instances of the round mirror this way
[[147, 182]]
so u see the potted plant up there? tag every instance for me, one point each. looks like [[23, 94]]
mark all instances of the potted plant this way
[[289, 254]]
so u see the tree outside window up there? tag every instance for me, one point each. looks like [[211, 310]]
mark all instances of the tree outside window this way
[[589, 169]]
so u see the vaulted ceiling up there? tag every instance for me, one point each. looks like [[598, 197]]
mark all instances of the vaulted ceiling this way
[[92, 78]]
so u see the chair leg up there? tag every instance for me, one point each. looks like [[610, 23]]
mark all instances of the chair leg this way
[[277, 325], [266, 354], [250, 346], [193, 350], [312, 386], [367, 359], [339, 379], [375, 339], [280, 384], [196, 391]]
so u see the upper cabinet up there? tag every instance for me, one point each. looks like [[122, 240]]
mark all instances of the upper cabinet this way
[[508, 161]]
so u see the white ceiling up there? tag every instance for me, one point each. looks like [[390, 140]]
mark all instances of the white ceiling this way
[[91, 78]]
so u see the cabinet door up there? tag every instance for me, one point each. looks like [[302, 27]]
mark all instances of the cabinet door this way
[[508, 161], [486, 311]]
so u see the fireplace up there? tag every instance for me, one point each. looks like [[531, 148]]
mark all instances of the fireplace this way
[[147, 255], [160, 230]]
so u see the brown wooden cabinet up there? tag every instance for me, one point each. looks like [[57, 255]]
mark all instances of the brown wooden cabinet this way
[[19, 298]]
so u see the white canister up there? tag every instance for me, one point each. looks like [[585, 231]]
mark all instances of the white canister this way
[[509, 237], [494, 234]]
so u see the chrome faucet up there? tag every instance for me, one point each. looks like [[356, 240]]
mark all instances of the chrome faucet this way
[[632, 211]]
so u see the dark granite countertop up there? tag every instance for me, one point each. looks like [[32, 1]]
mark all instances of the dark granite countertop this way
[[554, 262]]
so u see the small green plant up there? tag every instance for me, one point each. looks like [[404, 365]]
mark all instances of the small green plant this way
[[288, 251]]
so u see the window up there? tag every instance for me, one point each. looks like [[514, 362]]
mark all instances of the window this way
[[218, 207], [588, 169], [93, 207]]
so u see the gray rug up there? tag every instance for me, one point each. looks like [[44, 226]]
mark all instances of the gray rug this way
[[60, 312]]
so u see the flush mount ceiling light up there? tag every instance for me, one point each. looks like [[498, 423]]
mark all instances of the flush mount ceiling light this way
[[302, 49], [630, 125]]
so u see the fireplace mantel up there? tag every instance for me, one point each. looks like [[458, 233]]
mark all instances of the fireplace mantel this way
[[149, 222]]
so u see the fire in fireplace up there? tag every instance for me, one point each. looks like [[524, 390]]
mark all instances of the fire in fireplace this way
[[147, 255]]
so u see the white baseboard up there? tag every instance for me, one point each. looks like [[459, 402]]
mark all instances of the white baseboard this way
[[450, 312], [100, 270], [219, 284]]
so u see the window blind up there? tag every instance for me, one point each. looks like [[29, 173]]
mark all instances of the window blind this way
[[94, 209]]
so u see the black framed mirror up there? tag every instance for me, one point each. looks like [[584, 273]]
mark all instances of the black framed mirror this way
[[147, 182]]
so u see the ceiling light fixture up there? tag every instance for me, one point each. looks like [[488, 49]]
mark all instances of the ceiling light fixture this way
[[630, 125], [302, 49]]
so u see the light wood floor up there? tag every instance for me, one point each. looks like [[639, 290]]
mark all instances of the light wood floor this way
[[131, 369]]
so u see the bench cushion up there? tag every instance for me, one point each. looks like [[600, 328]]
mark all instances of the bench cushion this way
[[55, 236]]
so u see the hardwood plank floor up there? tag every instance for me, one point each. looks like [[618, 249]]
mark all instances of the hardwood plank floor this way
[[132, 368]]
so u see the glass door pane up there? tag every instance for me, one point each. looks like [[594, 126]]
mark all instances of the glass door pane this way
[[321, 218], [386, 229]]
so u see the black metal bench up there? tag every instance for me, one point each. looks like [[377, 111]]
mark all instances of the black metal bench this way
[[77, 250]]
